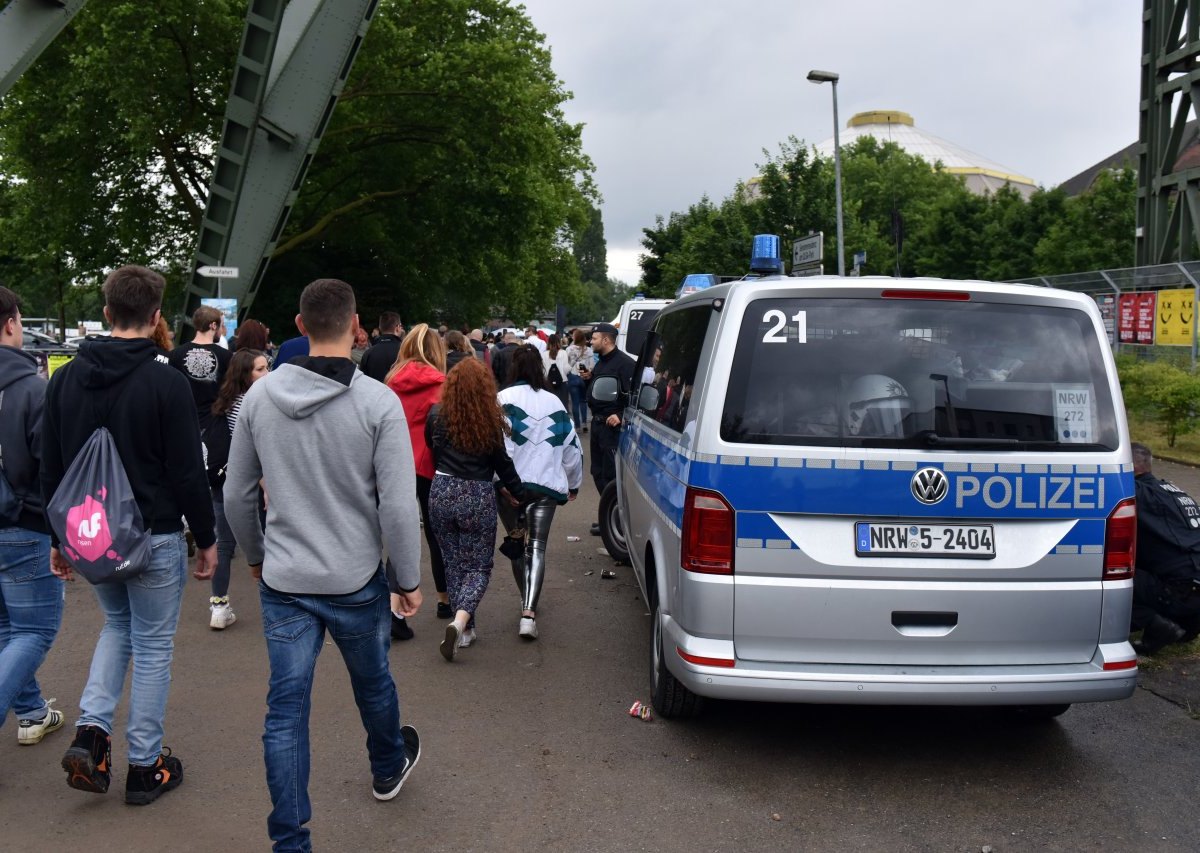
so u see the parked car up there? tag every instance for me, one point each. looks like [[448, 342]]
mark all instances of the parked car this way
[[42, 342]]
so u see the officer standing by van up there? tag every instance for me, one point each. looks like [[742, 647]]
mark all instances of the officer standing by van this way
[[606, 417], [1166, 585]]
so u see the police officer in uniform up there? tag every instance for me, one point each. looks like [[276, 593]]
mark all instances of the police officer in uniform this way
[[606, 417], [1166, 585]]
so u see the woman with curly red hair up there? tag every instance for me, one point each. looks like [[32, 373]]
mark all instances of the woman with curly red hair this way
[[465, 433]]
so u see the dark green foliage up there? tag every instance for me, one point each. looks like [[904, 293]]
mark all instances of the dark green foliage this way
[[448, 185], [1165, 393], [909, 217]]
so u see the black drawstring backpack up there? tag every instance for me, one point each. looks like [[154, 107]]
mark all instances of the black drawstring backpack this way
[[95, 514]]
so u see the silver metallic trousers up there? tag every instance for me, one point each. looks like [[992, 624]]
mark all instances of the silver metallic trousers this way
[[529, 571]]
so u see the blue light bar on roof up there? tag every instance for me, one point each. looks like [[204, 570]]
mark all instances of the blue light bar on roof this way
[[696, 281], [764, 255]]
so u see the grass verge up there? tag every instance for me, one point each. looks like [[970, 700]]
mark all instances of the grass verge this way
[[1149, 433]]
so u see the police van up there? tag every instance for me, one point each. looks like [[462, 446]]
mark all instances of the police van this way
[[634, 320], [873, 490]]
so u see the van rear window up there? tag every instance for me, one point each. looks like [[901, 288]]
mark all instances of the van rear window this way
[[638, 322], [867, 373]]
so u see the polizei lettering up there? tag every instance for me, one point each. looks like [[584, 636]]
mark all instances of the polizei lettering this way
[[1051, 492]]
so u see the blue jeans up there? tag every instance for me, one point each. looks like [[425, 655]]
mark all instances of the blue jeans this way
[[140, 616], [295, 627], [579, 409], [225, 548], [31, 605]]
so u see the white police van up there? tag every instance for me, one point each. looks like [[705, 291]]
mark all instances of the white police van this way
[[634, 320], [874, 490]]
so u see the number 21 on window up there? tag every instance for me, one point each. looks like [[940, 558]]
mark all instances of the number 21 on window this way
[[778, 333]]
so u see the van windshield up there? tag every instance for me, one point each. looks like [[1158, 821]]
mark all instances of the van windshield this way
[[918, 373]]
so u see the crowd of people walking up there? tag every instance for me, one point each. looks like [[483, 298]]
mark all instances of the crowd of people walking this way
[[208, 434]]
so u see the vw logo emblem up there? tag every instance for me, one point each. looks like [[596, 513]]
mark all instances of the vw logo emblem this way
[[929, 485]]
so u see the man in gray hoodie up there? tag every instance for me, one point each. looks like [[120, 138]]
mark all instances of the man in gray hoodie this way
[[31, 597], [332, 449]]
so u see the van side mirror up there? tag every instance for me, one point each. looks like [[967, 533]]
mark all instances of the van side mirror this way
[[605, 389], [648, 399]]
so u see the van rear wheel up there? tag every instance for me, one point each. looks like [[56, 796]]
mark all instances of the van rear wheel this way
[[612, 532], [669, 697]]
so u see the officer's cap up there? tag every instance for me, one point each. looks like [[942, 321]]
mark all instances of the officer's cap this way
[[605, 328]]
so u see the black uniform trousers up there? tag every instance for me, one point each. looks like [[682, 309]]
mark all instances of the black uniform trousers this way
[[1175, 600], [603, 446]]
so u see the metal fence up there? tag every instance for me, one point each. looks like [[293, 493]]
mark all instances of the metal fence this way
[[1149, 311]]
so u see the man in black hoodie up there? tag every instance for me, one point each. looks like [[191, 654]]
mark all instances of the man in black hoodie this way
[[120, 382], [31, 598]]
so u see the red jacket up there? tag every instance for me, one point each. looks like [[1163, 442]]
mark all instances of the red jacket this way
[[419, 387]]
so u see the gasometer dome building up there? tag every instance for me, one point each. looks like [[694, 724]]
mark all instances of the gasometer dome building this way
[[980, 174]]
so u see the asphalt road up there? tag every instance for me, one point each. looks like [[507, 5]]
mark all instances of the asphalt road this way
[[528, 746]]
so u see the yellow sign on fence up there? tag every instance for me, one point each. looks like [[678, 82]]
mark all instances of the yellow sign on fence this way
[[1175, 317]]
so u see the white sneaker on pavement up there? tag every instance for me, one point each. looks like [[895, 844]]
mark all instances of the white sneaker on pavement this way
[[528, 628], [466, 638], [221, 614], [32, 731]]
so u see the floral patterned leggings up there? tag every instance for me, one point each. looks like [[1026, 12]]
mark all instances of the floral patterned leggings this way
[[463, 515]]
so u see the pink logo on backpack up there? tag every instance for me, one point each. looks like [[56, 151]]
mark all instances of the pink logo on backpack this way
[[87, 528]]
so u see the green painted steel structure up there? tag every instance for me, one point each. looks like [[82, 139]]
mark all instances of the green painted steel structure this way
[[26, 28], [291, 69], [1168, 204]]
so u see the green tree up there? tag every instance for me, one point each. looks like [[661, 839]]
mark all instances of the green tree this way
[[950, 241], [659, 242], [796, 197], [1012, 228], [1165, 392], [1095, 230], [598, 301], [449, 181], [591, 249]]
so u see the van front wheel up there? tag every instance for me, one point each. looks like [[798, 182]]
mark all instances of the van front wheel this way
[[612, 532], [669, 697]]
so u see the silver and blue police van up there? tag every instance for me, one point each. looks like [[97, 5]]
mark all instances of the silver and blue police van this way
[[875, 490]]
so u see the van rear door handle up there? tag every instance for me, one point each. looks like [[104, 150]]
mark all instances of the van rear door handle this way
[[924, 623]]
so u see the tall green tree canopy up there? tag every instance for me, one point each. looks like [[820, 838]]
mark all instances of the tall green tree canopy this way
[[591, 249], [449, 181], [910, 218]]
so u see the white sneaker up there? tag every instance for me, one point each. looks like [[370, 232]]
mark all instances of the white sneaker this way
[[528, 628], [449, 644], [466, 638], [32, 731], [221, 614]]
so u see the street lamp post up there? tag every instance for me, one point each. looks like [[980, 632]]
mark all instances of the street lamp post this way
[[830, 77]]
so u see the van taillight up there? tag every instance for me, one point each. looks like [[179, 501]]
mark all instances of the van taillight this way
[[707, 533], [1120, 541]]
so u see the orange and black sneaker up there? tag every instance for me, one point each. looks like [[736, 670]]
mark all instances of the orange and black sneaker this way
[[145, 784], [88, 761]]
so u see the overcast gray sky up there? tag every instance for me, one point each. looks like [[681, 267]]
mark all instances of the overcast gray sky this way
[[680, 97]]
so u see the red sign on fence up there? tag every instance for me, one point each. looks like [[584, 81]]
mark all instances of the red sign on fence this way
[[1135, 317]]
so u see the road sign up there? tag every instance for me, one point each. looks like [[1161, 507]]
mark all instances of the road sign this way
[[801, 272], [218, 272], [808, 251]]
